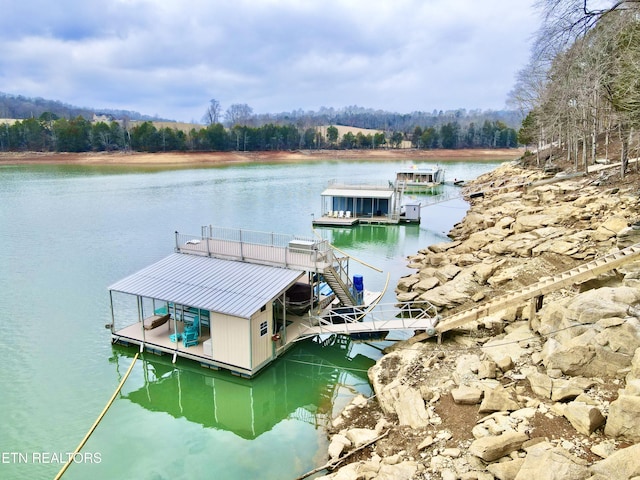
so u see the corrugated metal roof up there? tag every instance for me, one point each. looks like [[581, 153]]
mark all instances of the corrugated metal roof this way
[[357, 193], [224, 286]]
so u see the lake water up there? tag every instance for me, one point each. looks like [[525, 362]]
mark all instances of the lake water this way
[[67, 233]]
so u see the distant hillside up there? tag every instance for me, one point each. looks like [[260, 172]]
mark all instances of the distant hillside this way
[[20, 107]]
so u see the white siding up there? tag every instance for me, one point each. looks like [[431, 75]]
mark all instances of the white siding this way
[[230, 339], [262, 348]]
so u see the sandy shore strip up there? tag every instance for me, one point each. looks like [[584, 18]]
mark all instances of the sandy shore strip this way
[[189, 159]]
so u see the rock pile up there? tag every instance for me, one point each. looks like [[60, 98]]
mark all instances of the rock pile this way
[[551, 394]]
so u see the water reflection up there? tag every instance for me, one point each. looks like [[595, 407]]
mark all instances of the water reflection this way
[[302, 385]]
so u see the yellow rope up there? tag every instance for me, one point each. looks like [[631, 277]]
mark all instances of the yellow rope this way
[[93, 427]]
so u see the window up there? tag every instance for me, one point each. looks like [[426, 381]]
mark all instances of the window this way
[[263, 329]]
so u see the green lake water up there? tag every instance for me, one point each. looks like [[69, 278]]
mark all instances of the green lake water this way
[[67, 233]]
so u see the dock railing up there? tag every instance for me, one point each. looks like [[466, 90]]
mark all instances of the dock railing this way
[[251, 246], [382, 317]]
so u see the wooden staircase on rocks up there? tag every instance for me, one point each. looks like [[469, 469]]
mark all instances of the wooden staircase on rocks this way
[[536, 291]]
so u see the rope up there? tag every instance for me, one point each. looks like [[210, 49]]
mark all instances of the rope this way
[[95, 424], [346, 254]]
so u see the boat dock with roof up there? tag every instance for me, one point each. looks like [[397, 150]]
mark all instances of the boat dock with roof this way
[[345, 205], [225, 298]]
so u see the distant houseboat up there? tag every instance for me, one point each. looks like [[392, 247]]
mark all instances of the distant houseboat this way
[[352, 204], [234, 299], [417, 179]]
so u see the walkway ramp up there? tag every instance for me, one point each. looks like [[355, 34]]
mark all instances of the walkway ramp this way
[[375, 319], [580, 274]]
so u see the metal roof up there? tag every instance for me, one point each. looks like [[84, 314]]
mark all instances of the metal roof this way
[[225, 286], [358, 192]]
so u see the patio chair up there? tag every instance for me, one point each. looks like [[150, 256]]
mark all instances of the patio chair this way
[[348, 214], [191, 332], [190, 338], [341, 214]]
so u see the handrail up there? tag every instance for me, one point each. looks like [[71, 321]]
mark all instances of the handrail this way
[[361, 262]]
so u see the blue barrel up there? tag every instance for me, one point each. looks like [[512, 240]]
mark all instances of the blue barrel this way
[[358, 283]]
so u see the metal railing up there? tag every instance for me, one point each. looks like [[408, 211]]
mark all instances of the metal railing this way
[[257, 247], [382, 317]]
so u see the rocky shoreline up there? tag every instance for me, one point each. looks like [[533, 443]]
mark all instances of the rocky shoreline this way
[[547, 390]]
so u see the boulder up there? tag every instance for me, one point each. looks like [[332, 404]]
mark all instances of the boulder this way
[[487, 369], [526, 223], [447, 272], [410, 407], [338, 445], [568, 389], [360, 436], [494, 447], [622, 421], [506, 470], [628, 236], [425, 284], [509, 345], [585, 418], [622, 465], [400, 471], [406, 283], [464, 395], [546, 461], [541, 384], [610, 228], [498, 399]]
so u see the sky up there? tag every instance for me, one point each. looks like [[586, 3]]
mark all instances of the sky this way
[[171, 57]]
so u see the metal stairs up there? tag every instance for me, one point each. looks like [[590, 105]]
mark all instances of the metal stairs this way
[[339, 287]]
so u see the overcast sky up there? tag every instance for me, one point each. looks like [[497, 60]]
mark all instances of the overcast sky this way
[[170, 57]]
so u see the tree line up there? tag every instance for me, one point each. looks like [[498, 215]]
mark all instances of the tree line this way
[[580, 90], [49, 133]]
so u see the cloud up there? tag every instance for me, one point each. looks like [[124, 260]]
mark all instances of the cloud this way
[[169, 57]]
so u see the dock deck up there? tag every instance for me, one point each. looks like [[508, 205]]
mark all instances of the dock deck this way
[[158, 341], [306, 255], [331, 221]]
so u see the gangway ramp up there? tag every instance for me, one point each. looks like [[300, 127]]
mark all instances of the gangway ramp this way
[[376, 319], [580, 274]]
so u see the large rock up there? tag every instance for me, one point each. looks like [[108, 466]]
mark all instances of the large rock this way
[[510, 344], [586, 419], [628, 236], [622, 465], [541, 384], [498, 399], [593, 333], [338, 445], [400, 471], [622, 421], [406, 283], [410, 407], [360, 436], [610, 228], [466, 395], [506, 470], [526, 223], [544, 461], [426, 284], [568, 389], [494, 447]]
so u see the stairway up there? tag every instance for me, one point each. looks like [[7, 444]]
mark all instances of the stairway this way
[[580, 274], [339, 287]]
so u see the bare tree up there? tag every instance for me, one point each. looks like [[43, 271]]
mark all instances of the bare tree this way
[[212, 115], [238, 114]]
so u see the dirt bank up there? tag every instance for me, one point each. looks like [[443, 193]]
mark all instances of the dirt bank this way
[[189, 159]]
